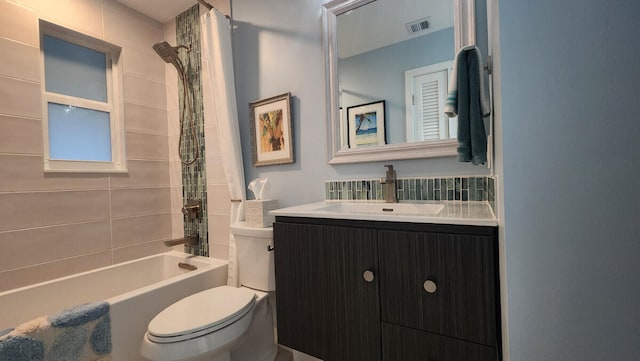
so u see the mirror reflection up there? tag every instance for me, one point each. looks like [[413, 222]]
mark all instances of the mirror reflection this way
[[394, 60]]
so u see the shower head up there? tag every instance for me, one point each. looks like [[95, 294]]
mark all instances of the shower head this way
[[168, 53]]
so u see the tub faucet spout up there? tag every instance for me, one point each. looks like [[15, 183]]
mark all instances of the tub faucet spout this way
[[187, 241]]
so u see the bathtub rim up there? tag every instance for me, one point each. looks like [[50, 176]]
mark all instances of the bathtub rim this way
[[207, 262]]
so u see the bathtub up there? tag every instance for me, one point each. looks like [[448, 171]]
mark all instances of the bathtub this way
[[137, 290]]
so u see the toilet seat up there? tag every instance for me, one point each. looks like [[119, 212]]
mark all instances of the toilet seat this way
[[201, 313]]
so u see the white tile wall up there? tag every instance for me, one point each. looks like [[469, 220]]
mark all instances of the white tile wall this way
[[53, 225], [147, 146], [143, 118], [26, 175], [20, 211], [20, 61], [23, 248], [20, 98], [16, 135], [18, 23]]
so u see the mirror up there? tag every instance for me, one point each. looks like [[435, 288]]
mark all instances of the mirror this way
[[378, 53]]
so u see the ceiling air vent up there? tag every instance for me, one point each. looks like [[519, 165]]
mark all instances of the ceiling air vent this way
[[418, 26]]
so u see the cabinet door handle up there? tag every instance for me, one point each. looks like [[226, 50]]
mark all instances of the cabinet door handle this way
[[368, 276], [430, 286]]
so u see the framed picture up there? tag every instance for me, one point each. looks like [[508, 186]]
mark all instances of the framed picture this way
[[366, 124], [344, 130], [271, 131]]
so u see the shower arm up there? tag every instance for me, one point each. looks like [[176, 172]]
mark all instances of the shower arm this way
[[188, 49]]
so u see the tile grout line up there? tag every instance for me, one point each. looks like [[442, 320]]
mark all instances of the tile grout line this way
[[110, 221]]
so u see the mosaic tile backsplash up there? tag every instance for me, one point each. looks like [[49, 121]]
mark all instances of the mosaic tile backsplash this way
[[194, 180], [468, 188]]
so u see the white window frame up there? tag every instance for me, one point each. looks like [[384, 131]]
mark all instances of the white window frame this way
[[114, 105]]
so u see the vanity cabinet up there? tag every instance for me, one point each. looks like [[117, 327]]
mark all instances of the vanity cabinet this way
[[325, 308], [360, 290]]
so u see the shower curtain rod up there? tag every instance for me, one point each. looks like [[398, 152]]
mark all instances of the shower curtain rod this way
[[210, 7], [206, 4]]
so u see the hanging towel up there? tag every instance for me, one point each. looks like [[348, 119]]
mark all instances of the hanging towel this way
[[468, 99]]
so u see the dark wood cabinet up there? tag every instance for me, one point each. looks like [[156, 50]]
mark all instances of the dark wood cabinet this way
[[430, 293], [325, 306], [461, 269], [407, 344]]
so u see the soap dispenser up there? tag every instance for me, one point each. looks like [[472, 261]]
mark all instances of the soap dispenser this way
[[390, 185]]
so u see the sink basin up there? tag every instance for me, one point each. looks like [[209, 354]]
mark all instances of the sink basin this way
[[404, 209]]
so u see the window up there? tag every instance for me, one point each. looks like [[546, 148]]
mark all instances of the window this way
[[426, 90], [83, 118]]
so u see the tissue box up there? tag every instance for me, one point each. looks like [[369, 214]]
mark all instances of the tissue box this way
[[256, 212]]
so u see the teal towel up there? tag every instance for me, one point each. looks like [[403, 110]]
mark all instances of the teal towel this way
[[468, 100]]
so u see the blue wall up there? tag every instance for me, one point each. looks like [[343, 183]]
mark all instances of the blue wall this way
[[391, 62], [570, 151], [278, 48], [570, 83]]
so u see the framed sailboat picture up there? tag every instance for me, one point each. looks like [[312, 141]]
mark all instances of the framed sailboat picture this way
[[366, 124]]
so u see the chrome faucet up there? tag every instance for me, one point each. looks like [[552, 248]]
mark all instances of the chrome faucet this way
[[187, 241], [389, 182]]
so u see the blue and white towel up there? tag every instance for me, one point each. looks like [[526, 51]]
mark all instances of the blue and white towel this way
[[80, 333], [468, 99]]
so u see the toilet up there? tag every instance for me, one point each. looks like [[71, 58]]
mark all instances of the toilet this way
[[223, 323]]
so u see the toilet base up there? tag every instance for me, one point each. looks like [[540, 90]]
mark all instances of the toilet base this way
[[260, 337]]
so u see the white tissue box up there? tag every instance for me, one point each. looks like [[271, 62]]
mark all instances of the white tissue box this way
[[256, 212]]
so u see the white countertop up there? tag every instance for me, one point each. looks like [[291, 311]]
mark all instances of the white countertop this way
[[454, 212]]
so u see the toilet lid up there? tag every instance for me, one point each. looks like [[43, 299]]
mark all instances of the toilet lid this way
[[201, 313]]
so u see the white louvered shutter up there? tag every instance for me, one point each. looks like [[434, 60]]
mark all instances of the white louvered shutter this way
[[429, 95]]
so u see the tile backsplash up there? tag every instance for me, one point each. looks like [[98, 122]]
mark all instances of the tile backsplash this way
[[463, 188]]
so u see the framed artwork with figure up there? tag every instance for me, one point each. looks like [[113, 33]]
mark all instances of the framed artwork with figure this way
[[271, 130]]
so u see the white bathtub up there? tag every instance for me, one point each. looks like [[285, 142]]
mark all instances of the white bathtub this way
[[137, 290]]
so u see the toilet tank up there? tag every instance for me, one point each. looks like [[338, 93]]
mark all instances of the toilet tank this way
[[255, 259]]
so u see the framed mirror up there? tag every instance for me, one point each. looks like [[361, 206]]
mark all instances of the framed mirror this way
[[400, 53]]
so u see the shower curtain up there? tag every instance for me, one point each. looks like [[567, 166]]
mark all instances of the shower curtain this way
[[216, 44]]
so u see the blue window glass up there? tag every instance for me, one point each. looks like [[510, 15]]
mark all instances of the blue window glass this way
[[74, 70], [78, 134]]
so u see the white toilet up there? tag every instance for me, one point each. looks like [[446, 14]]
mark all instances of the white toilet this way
[[223, 323]]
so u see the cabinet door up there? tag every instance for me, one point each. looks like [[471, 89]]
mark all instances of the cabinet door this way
[[461, 275], [401, 343], [325, 307]]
